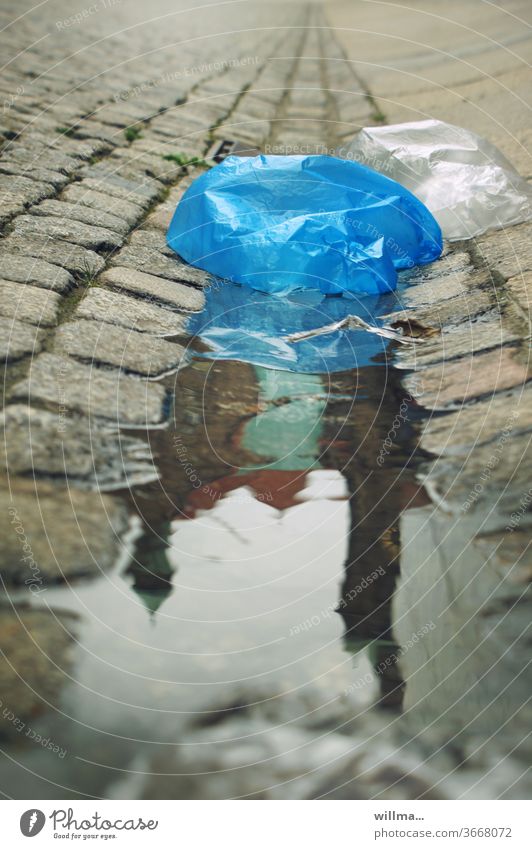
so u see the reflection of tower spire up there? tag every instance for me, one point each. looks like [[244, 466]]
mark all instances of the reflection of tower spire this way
[[372, 564], [151, 571], [365, 606]]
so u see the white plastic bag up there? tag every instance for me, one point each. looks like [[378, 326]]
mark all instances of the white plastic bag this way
[[467, 184]]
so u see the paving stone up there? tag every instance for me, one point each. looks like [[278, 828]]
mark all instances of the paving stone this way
[[449, 383], [507, 251], [93, 341], [454, 342], [153, 261], [23, 190], [476, 424], [131, 161], [85, 214], [79, 194], [22, 269], [160, 218], [9, 210], [102, 179], [92, 129], [455, 311], [66, 144], [65, 385], [42, 176], [493, 480], [156, 146], [37, 649], [432, 291], [48, 158], [188, 140], [118, 115], [86, 452], [28, 303], [451, 261], [86, 541], [166, 292], [115, 308], [73, 258], [151, 239], [18, 339], [65, 229]]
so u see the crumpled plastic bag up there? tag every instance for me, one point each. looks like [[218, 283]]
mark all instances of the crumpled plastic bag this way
[[467, 184], [280, 223]]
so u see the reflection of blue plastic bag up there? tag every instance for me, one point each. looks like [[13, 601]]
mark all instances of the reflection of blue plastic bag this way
[[279, 223], [240, 324]]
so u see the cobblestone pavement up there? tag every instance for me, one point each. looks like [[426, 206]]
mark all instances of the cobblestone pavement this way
[[100, 111]]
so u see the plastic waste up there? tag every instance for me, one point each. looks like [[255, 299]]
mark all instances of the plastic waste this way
[[239, 323], [281, 223], [467, 184]]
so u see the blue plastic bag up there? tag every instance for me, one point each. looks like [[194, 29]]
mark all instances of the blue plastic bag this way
[[279, 223], [240, 324]]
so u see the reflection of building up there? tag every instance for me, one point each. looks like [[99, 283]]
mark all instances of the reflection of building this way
[[150, 569], [199, 446], [380, 486]]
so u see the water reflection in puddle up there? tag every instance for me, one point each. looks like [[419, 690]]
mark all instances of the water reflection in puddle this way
[[266, 567]]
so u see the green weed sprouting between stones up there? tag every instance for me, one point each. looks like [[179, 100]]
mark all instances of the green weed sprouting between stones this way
[[65, 131], [132, 134], [182, 159]]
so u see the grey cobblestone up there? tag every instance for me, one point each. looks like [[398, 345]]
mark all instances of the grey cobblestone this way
[[28, 303], [84, 214], [33, 680], [104, 179], [152, 261], [85, 542], [117, 346], [64, 385], [49, 182], [455, 342], [18, 339], [472, 376], [75, 259], [508, 251], [26, 269], [22, 191], [164, 292], [65, 229], [115, 308], [476, 424], [85, 452], [79, 194]]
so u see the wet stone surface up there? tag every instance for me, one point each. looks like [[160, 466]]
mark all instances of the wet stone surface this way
[[126, 349], [31, 681], [107, 307], [64, 385], [161, 291], [38, 550], [92, 455]]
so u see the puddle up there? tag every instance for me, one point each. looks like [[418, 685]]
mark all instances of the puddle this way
[[268, 564]]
